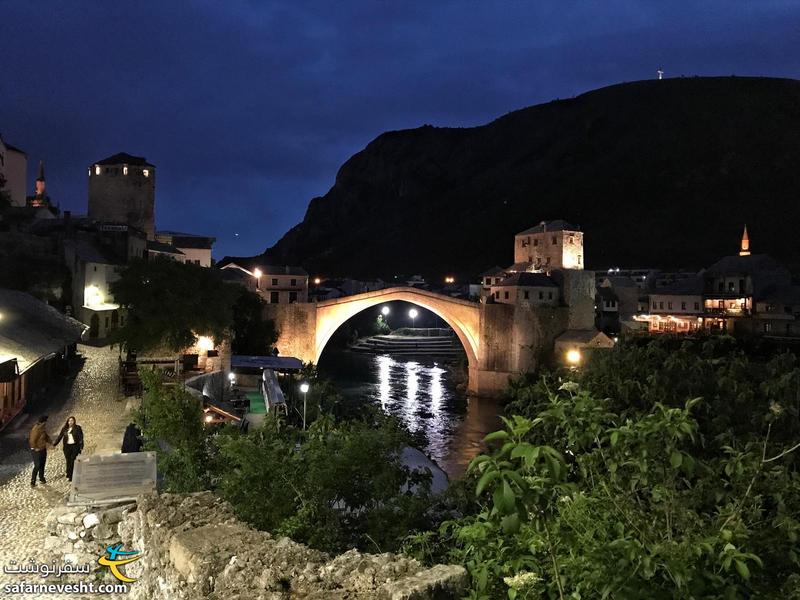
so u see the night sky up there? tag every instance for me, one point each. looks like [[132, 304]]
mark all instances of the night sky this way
[[249, 108]]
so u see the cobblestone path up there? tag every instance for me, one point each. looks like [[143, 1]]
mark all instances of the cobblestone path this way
[[99, 408]]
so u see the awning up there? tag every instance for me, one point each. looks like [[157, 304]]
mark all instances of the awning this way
[[277, 363]]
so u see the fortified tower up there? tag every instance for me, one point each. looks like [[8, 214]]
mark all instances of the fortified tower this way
[[122, 189], [550, 245]]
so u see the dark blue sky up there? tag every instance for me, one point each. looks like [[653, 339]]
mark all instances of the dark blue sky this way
[[249, 108]]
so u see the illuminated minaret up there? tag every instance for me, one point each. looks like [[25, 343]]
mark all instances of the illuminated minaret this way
[[745, 251], [40, 198]]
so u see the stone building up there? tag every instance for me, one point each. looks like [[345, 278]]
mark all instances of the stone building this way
[[275, 284], [122, 189], [550, 245], [95, 255], [196, 249], [535, 289], [14, 171], [36, 345], [744, 293]]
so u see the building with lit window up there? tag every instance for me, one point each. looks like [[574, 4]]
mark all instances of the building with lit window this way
[[122, 189], [196, 249], [275, 284], [550, 245], [535, 289], [744, 293]]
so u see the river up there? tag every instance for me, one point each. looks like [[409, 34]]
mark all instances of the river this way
[[419, 391]]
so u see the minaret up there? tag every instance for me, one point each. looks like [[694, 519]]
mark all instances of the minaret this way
[[40, 180], [745, 251], [39, 197]]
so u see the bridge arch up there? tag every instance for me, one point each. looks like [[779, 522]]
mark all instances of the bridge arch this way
[[463, 316]]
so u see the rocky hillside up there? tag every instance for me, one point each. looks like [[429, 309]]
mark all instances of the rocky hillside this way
[[657, 173]]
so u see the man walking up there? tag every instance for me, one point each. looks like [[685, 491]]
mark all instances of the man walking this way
[[38, 440]]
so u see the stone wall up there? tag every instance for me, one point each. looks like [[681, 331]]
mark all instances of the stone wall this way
[[80, 535], [297, 326], [193, 547]]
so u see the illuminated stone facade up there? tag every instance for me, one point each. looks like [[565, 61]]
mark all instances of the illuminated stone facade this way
[[550, 245], [122, 189]]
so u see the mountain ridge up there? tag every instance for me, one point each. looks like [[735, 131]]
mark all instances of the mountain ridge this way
[[660, 173]]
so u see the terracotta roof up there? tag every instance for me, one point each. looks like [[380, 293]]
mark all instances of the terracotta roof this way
[[157, 246], [252, 263], [495, 270], [528, 280], [87, 251], [557, 225], [30, 329], [123, 158], [581, 336], [693, 286], [744, 265]]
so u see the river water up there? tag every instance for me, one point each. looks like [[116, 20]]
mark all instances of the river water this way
[[419, 391]]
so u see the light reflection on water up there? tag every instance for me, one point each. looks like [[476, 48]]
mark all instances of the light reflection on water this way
[[421, 393]]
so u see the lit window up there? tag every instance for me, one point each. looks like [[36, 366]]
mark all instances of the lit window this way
[[97, 169], [125, 170], [146, 172]]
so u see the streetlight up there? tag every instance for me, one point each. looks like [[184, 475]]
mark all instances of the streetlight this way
[[385, 311], [257, 274], [413, 314], [304, 388], [317, 280], [574, 357]]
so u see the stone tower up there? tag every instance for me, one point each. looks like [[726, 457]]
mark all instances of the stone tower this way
[[122, 189], [550, 245]]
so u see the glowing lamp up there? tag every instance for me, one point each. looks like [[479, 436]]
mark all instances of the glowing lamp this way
[[385, 311], [304, 387], [231, 376], [92, 296], [257, 273], [317, 281], [209, 418], [574, 357], [97, 169], [205, 343], [413, 313], [146, 172]]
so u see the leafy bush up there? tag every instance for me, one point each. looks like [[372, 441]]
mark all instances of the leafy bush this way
[[171, 423], [625, 483]]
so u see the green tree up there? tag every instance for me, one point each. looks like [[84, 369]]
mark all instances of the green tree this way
[[252, 333], [171, 423], [171, 303], [662, 470]]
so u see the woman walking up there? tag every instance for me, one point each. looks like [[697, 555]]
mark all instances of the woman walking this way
[[72, 434]]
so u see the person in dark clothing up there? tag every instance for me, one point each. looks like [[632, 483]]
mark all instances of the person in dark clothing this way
[[37, 441], [72, 434], [132, 440]]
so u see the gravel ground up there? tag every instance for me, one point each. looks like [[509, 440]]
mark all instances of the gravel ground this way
[[93, 398]]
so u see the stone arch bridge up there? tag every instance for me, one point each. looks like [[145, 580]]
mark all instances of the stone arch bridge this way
[[500, 340]]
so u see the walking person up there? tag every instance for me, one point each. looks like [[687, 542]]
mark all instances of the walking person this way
[[72, 434], [38, 440]]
